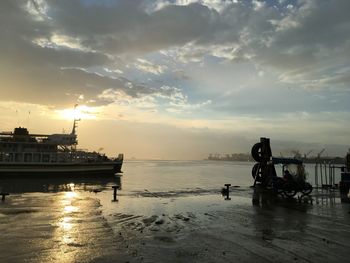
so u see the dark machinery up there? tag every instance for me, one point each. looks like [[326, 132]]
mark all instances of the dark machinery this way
[[344, 184], [265, 175]]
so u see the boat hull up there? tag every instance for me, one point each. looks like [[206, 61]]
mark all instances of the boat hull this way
[[63, 169]]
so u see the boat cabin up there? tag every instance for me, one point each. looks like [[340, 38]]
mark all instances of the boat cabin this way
[[21, 146]]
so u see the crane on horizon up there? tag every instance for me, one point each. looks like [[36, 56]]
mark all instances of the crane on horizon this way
[[319, 154]]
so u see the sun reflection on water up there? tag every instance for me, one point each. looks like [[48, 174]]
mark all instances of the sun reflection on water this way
[[67, 226], [70, 195], [66, 223]]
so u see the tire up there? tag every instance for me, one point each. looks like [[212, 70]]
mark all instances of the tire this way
[[289, 190], [289, 193], [256, 152], [307, 189]]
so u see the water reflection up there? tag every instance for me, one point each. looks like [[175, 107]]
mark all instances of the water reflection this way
[[66, 223], [61, 184], [63, 222], [67, 227], [277, 217]]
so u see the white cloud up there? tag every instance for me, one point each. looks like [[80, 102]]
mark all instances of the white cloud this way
[[147, 66]]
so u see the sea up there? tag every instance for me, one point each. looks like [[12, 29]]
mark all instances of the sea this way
[[157, 203]]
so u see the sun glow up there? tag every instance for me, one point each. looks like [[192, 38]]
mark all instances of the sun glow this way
[[79, 112]]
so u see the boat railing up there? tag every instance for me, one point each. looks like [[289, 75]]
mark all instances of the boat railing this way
[[51, 157]]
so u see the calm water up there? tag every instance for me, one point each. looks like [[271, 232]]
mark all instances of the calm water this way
[[181, 175], [158, 176]]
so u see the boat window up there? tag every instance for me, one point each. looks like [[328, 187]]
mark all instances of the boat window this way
[[27, 157], [46, 158], [36, 157]]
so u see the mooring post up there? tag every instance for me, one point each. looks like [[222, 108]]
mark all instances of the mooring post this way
[[3, 195], [115, 188], [227, 191], [316, 175]]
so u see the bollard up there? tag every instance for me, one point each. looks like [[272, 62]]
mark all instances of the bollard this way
[[115, 188], [3, 196], [227, 191]]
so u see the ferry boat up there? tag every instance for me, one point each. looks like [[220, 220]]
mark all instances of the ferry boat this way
[[25, 154]]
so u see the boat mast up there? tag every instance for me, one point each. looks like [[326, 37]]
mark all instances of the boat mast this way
[[73, 133], [75, 122]]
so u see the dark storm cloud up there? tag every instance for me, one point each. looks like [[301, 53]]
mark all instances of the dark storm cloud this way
[[125, 27]]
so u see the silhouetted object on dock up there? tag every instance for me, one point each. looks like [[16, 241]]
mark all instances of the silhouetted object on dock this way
[[226, 191], [3, 195], [265, 175], [263, 170], [115, 188], [344, 184]]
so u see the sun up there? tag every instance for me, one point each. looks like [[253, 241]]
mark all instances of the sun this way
[[79, 112]]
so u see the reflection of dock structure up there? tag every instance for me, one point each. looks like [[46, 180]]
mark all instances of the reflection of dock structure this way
[[57, 184], [326, 197]]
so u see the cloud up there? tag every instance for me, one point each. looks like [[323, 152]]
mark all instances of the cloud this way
[[150, 67], [55, 51], [124, 27]]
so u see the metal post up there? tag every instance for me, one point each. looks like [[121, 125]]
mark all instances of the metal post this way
[[321, 175], [115, 187], [227, 191], [3, 196], [316, 175], [325, 173]]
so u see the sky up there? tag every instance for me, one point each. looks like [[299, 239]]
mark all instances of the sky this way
[[179, 79]]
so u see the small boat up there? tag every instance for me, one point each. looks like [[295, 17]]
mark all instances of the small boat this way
[[30, 155]]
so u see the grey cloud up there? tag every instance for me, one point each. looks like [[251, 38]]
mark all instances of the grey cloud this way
[[319, 39], [126, 28], [49, 75]]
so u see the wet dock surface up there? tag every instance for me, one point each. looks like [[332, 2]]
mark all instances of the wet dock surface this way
[[192, 225], [59, 227]]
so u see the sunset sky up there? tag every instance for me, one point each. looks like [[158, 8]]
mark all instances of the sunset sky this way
[[179, 79]]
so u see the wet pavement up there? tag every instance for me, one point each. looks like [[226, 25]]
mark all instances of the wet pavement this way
[[80, 223]]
